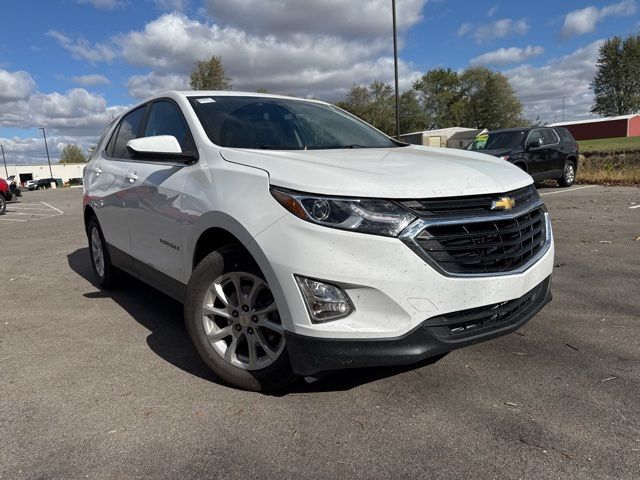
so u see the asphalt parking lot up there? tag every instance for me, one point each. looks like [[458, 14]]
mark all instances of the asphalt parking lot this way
[[106, 385]]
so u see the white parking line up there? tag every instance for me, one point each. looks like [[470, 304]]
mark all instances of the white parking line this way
[[61, 212], [36, 211], [635, 206], [567, 191]]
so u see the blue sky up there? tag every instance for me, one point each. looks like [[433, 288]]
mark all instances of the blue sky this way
[[72, 65]]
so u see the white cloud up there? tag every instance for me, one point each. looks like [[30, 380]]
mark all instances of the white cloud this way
[[355, 19], [73, 113], [82, 49], [464, 29], [91, 80], [142, 86], [582, 21], [500, 29], [505, 56], [497, 29], [541, 89], [15, 86], [297, 63], [493, 10], [31, 150], [178, 5], [103, 4]]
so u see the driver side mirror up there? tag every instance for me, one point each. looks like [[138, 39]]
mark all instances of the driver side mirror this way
[[159, 147]]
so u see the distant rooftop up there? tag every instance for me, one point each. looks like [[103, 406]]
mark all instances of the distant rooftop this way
[[594, 120]]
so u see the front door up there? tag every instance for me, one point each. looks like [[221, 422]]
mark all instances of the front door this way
[[155, 198], [110, 185]]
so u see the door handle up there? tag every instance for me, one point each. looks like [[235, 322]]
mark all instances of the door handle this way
[[132, 177]]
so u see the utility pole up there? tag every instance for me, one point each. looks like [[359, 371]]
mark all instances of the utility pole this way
[[47, 149], [5, 161], [395, 66]]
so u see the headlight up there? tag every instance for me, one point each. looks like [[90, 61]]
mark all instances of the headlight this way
[[364, 215]]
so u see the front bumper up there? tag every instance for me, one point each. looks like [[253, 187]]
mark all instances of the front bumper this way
[[392, 288], [435, 336]]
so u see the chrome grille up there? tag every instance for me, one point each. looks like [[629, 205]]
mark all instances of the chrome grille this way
[[484, 243]]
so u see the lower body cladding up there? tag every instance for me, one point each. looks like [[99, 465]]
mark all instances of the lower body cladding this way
[[436, 336], [404, 311]]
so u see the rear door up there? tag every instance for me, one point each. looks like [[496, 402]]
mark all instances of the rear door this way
[[156, 185], [110, 185], [537, 154], [555, 159]]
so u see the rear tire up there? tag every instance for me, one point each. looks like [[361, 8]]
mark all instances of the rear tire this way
[[103, 270], [3, 205], [568, 174], [234, 323]]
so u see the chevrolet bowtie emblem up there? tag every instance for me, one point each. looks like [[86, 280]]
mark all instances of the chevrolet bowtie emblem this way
[[503, 203]]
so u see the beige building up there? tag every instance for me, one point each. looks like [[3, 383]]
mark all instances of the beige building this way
[[36, 172], [453, 137]]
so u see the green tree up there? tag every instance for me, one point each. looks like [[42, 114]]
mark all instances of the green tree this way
[[616, 85], [72, 154], [412, 116], [210, 75], [375, 104], [440, 95], [477, 97], [488, 100]]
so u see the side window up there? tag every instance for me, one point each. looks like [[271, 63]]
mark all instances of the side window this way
[[549, 136], [535, 139], [127, 130], [166, 119], [565, 135]]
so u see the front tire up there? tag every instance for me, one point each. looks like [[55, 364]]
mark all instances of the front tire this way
[[568, 175], [103, 270], [233, 322], [3, 205]]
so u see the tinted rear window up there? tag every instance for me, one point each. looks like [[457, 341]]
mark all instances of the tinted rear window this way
[[498, 140]]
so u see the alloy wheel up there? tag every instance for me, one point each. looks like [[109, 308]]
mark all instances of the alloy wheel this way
[[96, 252], [241, 321], [569, 173]]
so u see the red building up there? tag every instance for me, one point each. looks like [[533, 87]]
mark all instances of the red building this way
[[610, 127]]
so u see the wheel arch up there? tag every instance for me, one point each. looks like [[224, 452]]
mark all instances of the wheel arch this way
[[88, 213], [521, 164], [216, 230]]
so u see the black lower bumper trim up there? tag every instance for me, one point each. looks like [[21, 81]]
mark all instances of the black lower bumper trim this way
[[311, 355]]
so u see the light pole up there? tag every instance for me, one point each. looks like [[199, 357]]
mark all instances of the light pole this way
[[47, 149], [5, 161], [395, 67]]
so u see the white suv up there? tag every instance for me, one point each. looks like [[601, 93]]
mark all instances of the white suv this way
[[302, 240]]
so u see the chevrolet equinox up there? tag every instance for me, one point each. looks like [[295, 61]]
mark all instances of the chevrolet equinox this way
[[302, 240]]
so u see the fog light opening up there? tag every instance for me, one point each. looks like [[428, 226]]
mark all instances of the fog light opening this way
[[325, 302]]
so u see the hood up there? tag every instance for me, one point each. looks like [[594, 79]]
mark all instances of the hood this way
[[405, 172]]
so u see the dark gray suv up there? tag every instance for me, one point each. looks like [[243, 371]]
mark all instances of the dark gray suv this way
[[545, 153]]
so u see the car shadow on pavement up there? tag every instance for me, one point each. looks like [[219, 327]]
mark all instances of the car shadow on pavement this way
[[168, 338], [158, 313]]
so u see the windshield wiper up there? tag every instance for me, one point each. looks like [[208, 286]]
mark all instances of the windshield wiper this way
[[354, 145]]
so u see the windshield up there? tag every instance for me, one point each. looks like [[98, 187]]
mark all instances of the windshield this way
[[283, 124], [498, 140]]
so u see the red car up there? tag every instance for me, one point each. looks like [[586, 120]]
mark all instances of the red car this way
[[5, 195]]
